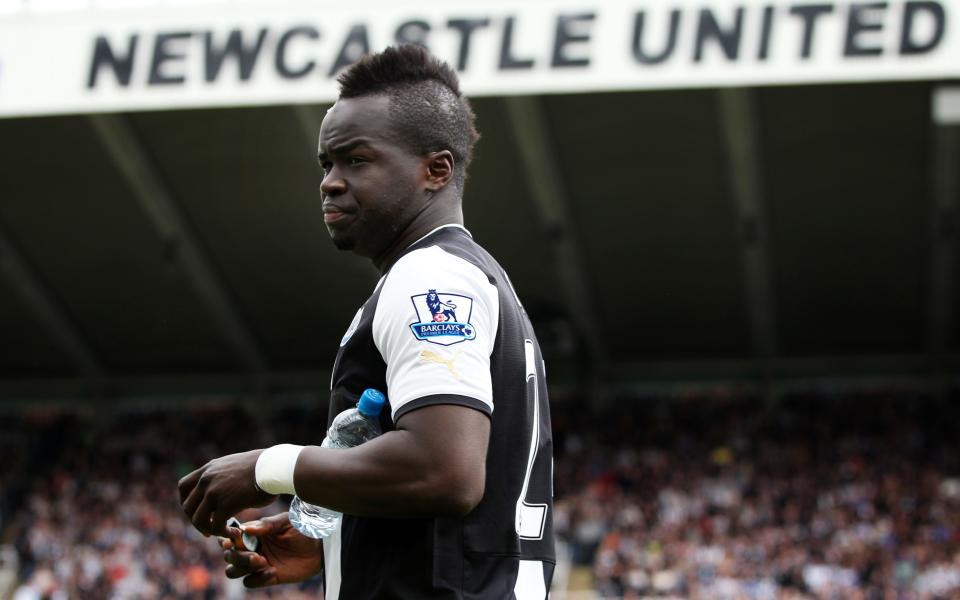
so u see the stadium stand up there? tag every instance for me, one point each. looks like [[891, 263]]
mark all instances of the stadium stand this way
[[819, 495], [99, 516]]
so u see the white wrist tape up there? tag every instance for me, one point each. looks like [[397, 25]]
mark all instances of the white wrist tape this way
[[274, 470]]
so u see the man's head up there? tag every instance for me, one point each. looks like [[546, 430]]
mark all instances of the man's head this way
[[394, 148], [427, 110]]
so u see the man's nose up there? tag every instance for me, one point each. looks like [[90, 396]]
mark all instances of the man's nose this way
[[332, 184]]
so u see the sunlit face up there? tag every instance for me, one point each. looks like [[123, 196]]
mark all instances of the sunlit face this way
[[372, 186]]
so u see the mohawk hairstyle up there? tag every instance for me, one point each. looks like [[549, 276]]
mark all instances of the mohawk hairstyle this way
[[427, 109]]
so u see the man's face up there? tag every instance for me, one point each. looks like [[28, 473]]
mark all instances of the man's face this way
[[372, 187]]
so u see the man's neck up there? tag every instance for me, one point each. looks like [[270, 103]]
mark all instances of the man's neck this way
[[424, 223]]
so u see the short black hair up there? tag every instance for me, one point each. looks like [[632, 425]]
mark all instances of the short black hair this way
[[427, 108]]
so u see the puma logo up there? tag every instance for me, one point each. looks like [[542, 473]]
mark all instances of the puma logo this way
[[431, 356]]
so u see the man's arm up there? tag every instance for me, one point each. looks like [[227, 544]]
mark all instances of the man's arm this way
[[434, 464]]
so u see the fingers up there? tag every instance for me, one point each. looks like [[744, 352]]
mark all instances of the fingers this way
[[253, 567], [227, 543], [262, 527], [201, 517], [245, 561], [262, 578], [218, 524], [232, 534], [191, 502], [256, 528], [235, 572], [188, 483]]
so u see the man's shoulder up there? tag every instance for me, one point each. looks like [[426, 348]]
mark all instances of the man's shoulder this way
[[443, 254], [434, 269], [451, 248]]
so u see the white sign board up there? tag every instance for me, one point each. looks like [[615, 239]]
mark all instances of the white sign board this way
[[150, 56]]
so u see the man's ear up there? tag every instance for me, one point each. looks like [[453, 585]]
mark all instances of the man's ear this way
[[439, 166]]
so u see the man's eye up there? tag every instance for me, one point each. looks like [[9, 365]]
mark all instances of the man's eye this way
[[326, 166], [354, 160]]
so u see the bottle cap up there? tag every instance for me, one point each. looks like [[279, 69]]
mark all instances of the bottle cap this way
[[371, 402]]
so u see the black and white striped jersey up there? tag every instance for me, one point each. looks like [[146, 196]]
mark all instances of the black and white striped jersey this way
[[444, 326]]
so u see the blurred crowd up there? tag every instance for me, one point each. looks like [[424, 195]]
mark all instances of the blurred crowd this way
[[100, 517], [821, 495], [815, 496]]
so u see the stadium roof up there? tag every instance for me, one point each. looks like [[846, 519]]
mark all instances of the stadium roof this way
[[733, 234]]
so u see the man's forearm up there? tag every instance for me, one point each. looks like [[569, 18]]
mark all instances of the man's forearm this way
[[433, 467]]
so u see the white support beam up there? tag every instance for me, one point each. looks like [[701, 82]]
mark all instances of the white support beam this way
[[157, 202], [946, 105], [51, 316], [738, 121], [535, 146], [945, 222]]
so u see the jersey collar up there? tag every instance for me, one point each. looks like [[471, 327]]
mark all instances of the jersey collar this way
[[389, 266], [457, 225]]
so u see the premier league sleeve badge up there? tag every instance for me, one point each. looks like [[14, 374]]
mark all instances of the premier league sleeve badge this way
[[442, 318]]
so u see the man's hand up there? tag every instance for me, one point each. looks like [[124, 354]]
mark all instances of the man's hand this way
[[220, 489], [284, 554]]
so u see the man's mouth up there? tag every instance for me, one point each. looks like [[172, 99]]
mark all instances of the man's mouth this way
[[332, 214]]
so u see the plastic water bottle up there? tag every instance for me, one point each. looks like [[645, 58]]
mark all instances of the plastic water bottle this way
[[352, 427]]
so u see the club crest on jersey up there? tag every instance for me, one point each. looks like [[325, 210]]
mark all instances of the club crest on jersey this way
[[443, 318]]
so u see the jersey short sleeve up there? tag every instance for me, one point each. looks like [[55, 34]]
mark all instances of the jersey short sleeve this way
[[435, 325]]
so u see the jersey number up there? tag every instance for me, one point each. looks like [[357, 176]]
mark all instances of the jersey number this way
[[531, 518]]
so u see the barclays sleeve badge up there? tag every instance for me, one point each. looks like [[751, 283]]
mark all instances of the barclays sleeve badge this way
[[443, 318]]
